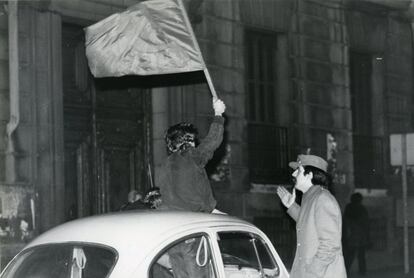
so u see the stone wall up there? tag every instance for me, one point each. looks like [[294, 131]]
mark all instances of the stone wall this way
[[4, 87], [320, 85], [316, 101], [399, 75], [388, 39], [221, 40]]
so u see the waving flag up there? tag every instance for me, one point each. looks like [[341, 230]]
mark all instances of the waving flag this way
[[152, 37]]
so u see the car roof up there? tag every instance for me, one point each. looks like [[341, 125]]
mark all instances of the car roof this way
[[137, 236], [124, 229]]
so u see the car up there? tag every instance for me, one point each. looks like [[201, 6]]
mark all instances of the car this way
[[151, 243]]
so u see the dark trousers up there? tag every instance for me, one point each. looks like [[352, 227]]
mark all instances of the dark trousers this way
[[350, 255]]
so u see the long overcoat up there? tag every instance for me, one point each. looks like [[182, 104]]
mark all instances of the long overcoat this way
[[318, 230]]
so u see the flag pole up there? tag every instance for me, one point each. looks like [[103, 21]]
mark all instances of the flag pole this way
[[210, 83], [150, 175], [206, 72]]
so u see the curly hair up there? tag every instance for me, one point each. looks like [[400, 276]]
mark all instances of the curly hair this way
[[180, 136], [153, 197]]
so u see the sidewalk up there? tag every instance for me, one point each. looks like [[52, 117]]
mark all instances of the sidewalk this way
[[384, 273]]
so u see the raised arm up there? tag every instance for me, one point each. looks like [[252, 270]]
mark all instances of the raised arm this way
[[204, 152], [288, 200]]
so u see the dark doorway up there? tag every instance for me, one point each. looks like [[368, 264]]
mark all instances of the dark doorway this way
[[106, 131], [361, 94], [368, 149]]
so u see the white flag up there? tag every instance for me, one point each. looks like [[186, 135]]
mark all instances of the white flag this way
[[152, 37]]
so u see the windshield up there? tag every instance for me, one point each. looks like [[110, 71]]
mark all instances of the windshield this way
[[62, 261]]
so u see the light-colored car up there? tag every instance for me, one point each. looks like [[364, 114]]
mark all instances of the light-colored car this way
[[150, 244]]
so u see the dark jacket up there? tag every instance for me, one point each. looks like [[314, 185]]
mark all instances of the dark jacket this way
[[356, 225], [183, 180], [135, 205]]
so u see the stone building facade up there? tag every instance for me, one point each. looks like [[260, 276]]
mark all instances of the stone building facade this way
[[332, 78]]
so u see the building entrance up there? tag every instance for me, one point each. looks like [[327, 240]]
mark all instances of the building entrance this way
[[106, 130]]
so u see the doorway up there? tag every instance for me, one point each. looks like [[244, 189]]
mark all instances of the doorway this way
[[106, 134], [367, 148]]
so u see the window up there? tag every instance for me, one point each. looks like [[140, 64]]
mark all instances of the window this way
[[63, 261], [246, 255], [190, 257], [267, 140]]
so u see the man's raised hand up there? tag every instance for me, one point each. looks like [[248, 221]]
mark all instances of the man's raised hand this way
[[285, 196]]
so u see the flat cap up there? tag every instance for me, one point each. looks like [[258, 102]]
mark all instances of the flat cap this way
[[309, 160]]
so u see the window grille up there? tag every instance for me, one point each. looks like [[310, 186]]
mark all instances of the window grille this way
[[282, 233], [268, 155], [267, 142]]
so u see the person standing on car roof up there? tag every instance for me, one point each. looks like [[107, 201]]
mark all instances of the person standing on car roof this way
[[185, 186], [318, 221], [183, 179]]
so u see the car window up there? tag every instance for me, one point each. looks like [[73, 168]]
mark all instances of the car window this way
[[62, 261], [246, 255], [186, 258]]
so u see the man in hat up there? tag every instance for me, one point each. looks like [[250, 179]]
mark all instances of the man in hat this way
[[318, 221]]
